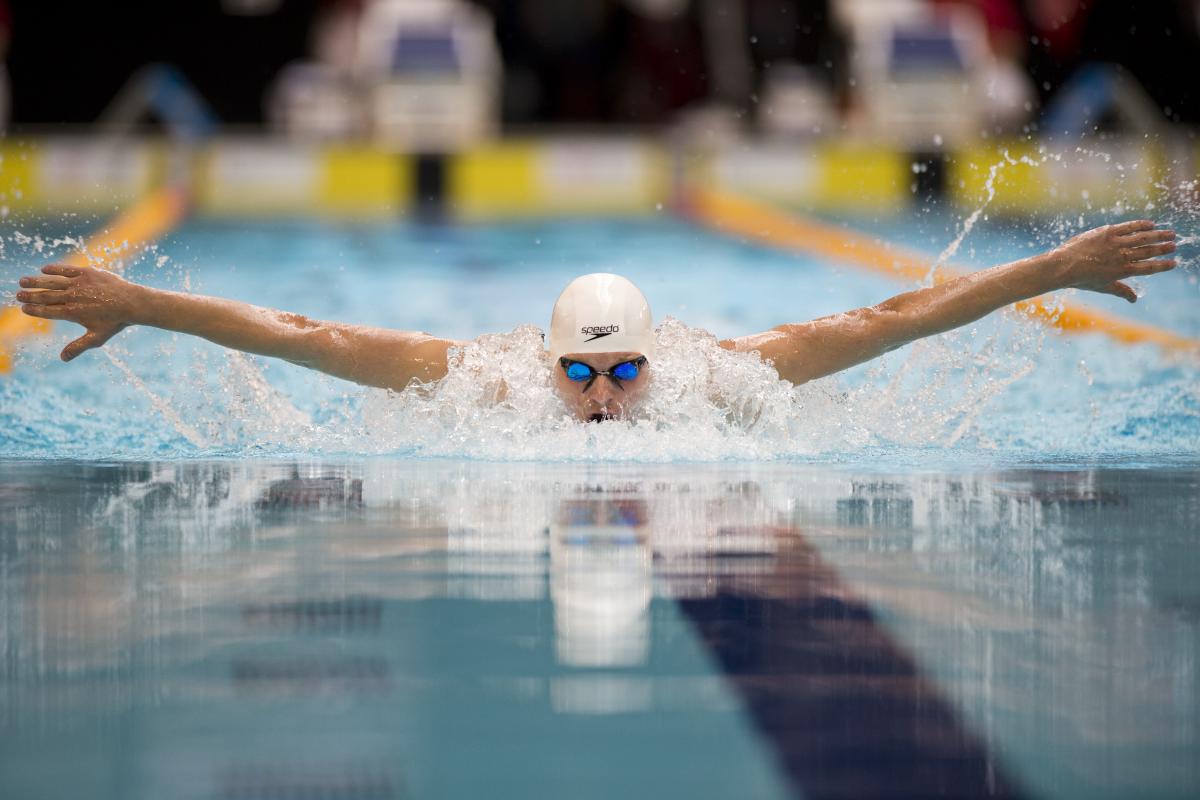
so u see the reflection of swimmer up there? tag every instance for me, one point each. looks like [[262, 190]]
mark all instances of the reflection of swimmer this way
[[600, 582], [601, 342]]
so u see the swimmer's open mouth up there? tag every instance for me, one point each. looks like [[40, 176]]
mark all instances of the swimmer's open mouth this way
[[600, 417]]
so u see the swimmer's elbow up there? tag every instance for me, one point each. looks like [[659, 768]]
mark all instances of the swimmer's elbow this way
[[887, 327], [318, 347]]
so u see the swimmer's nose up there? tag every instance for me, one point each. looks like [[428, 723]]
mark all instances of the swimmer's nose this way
[[603, 400], [605, 395]]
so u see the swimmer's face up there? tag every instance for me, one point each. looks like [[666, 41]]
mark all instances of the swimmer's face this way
[[605, 398]]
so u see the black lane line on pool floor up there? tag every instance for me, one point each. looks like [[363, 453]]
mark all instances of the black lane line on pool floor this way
[[848, 712]]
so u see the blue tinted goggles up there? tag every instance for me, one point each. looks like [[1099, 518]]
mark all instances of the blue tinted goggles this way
[[580, 372]]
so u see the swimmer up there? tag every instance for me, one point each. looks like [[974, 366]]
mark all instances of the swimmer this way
[[601, 341]]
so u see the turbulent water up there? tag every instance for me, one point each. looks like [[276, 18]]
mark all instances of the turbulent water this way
[[999, 391], [1004, 388], [703, 403]]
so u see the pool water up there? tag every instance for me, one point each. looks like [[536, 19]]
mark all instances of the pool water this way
[[1003, 388], [391, 629], [968, 569]]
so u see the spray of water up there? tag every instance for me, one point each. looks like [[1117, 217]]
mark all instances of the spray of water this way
[[1179, 208], [167, 410], [972, 219]]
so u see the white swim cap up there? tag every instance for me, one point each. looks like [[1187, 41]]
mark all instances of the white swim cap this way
[[601, 313]]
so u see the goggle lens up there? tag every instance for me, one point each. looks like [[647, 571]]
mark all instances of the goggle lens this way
[[579, 372], [626, 371]]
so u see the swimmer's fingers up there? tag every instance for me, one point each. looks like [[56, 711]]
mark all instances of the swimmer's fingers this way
[[46, 297], [1147, 237], [65, 270], [44, 282], [48, 311], [1153, 267], [1138, 254], [86, 342], [1122, 290], [1123, 228]]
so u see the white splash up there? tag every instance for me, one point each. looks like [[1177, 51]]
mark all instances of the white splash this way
[[704, 403]]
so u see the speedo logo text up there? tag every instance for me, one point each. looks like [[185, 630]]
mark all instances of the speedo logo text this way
[[598, 331]]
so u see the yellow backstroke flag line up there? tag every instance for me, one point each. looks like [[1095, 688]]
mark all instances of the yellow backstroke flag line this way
[[765, 224], [130, 231]]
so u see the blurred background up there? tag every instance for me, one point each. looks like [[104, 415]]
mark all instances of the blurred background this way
[[432, 74], [486, 109]]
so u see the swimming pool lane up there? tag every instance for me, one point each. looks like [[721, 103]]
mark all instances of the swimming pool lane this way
[[391, 629]]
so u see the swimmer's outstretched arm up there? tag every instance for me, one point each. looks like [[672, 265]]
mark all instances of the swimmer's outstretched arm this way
[[1097, 260], [106, 304]]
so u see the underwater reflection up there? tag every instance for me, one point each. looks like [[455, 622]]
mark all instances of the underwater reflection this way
[[600, 581], [881, 634]]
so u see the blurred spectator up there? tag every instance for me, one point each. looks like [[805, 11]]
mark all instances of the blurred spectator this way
[[1007, 87], [1005, 27], [315, 98], [334, 35]]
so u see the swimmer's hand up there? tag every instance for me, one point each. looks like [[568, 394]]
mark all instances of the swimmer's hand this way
[[1099, 260], [100, 301]]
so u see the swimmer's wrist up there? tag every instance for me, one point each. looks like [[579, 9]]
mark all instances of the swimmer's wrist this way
[[1053, 271], [149, 306]]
